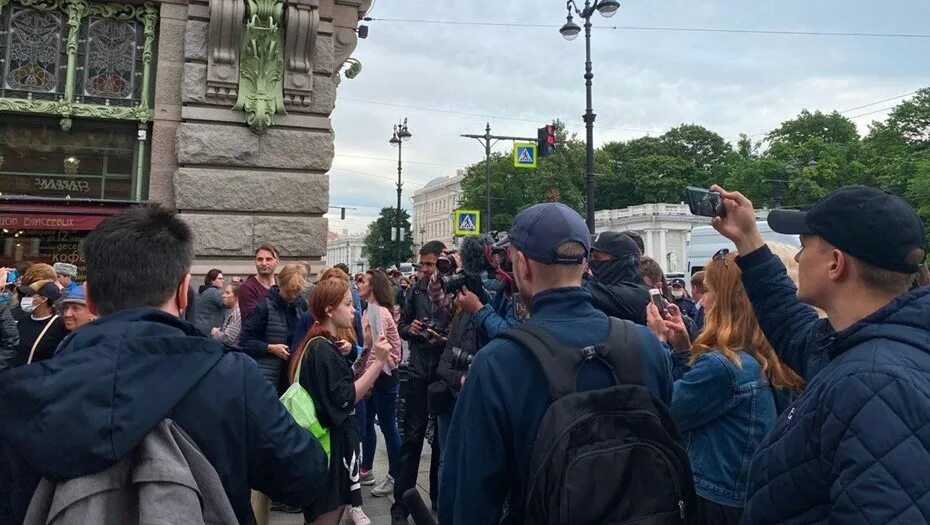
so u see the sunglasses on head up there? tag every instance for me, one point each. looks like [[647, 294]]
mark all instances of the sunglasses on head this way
[[721, 255]]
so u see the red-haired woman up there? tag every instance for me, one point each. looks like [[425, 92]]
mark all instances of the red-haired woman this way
[[728, 385], [328, 378]]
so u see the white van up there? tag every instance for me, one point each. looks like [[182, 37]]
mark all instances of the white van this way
[[705, 242]]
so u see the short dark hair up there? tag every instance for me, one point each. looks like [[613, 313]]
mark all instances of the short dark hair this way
[[211, 276], [344, 267], [268, 248], [651, 269], [433, 248], [137, 258]]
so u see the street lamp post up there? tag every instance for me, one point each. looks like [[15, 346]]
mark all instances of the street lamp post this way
[[607, 9], [401, 135]]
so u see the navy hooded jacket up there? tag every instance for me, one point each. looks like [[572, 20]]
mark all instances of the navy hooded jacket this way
[[115, 379], [855, 446]]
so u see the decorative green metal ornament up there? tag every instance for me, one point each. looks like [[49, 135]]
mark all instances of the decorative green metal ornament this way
[[261, 69]]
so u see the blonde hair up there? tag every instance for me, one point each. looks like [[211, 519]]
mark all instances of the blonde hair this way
[[786, 253], [292, 280], [730, 325]]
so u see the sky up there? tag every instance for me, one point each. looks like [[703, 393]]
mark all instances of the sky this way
[[449, 79]]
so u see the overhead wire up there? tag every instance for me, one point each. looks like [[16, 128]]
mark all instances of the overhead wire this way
[[678, 29]]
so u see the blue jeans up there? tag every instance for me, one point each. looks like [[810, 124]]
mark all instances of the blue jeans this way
[[383, 403]]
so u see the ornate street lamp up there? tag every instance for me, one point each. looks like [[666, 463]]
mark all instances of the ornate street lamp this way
[[401, 134], [607, 9]]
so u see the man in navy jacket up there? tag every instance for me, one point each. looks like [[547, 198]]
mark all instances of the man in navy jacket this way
[[855, 446], [115, 379], [505, 395]]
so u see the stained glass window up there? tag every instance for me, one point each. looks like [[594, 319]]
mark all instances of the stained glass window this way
[[32, 51], [109, 70]]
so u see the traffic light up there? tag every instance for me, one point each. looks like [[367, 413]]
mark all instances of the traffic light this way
[[545, 140]]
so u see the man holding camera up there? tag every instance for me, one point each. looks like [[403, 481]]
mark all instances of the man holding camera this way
[[422, 324]]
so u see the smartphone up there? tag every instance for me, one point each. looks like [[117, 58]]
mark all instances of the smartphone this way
[[12, 275], [705, 203], [657, 299]]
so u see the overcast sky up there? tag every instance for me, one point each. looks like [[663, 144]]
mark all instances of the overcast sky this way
[[519, 78]]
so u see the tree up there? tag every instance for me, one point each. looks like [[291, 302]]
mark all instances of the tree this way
[[380, 250], [513, 189]]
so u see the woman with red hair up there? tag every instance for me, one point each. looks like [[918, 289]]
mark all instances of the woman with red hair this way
[[328, 377]]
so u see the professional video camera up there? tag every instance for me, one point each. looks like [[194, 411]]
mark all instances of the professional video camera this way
[[461, 359], [480, 256]]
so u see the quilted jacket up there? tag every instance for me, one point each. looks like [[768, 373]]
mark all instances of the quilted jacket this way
[[855, 446]]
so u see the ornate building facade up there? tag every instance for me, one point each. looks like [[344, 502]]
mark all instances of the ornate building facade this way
[[219, 108], [346, 249]]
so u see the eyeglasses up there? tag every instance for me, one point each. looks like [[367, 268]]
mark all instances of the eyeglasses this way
[[721, 255]]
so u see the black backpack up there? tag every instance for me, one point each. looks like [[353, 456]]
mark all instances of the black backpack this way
[[607, 456]]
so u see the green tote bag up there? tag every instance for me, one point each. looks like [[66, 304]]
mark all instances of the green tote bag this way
[[298, 402]]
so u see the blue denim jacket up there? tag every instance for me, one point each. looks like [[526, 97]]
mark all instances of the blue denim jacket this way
[[723, 411]]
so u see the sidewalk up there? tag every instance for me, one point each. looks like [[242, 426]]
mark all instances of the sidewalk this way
[[378, 509]]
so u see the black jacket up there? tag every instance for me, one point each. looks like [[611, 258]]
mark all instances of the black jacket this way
[[9, 338], [624, 300], [115, 379], [424, 354], [271, 322]]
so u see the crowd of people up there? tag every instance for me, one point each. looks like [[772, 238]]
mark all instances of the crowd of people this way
[[571, 383]]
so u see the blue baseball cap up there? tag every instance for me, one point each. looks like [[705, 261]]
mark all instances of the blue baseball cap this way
[[539, 230], [75, 295]]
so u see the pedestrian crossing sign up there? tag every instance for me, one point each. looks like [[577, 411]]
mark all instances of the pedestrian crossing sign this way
[[524, 155], [467, 222]]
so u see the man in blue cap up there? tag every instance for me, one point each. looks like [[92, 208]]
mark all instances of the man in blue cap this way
[[855, 446], [73, 309], [505, 394]]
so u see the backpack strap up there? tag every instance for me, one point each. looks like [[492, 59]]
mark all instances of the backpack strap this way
[[622, 352], [557, 361], [35, 345]]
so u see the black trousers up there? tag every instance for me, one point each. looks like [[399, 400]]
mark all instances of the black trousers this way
[[413, 391], [717, 514]]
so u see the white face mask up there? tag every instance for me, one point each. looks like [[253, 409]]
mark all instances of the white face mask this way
[[27, 305], [678, 294]]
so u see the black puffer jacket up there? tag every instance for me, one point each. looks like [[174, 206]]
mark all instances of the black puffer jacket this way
[[271, 322], [424, 354]]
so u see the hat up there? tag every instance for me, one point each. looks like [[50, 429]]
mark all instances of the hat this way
[[46, 288], [65, 269], [615, 243], [871, 225], [539, 230], [76, 295], [677, 280]]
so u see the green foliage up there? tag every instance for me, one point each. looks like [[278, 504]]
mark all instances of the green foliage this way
[[804, 159], [379, 249]]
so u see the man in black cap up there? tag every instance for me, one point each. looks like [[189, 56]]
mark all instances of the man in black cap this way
[[505, 394], [616, 284], [41, 331], [681, 299], [855, 447]]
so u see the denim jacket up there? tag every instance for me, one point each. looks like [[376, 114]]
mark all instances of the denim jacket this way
[[724, 411]]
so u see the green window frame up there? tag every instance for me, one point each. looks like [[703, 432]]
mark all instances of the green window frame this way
[[69, 102]]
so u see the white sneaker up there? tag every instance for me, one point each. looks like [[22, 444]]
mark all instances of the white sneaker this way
[[358, 516], [385, 488]]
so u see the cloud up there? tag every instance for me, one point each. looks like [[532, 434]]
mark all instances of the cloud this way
[[645, 81]]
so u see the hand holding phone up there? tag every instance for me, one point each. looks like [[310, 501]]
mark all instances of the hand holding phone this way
[[705, 203], [657, 299]]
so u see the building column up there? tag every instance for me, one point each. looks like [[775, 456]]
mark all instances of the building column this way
[[663, 250]]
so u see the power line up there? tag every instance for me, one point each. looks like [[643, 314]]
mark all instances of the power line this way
[[395, 160], [481, 115], [660, 28], [386, 179], [761, 133]]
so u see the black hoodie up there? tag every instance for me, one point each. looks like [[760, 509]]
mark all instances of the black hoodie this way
[[115, 379]]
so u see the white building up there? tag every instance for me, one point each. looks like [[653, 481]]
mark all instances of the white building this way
[[433, 207], [346, 249], [665, 229]]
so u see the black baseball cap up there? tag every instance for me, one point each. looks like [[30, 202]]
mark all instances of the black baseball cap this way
[[617, 244], [47, 289], [539, 230], [872, 225], [677, 280]]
